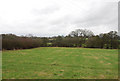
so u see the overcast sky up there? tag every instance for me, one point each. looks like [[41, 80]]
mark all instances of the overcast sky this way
[[57, 17]]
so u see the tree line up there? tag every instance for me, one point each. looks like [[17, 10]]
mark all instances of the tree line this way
[[78, 38]]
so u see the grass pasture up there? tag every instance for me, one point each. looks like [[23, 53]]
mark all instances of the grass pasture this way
[[60, 63]]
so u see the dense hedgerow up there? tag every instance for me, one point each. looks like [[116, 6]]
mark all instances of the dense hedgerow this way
[[78, 38]]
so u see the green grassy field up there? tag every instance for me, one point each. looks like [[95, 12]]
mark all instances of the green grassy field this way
[[60, 63]]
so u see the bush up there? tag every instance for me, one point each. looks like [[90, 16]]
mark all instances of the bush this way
[[83, 45], [105, 46]]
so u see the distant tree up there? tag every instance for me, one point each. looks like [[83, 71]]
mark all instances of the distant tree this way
[[11, 41], [93, 42], [106, 40], [29, 35], [82, 33]]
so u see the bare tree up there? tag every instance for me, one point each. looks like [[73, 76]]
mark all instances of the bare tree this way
[[81, 32]]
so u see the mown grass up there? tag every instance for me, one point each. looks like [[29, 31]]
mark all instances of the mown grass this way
[[60, 63]]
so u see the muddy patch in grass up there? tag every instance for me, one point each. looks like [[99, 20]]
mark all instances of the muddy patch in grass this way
[[96, 57], [101, 62], [42, 73]]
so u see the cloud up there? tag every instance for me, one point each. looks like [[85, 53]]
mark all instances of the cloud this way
[[53, 17], [47, 10]]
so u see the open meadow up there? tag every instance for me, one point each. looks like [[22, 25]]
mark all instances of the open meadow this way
[[60, 63]]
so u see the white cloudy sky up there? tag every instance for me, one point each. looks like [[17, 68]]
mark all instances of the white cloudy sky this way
[[57, 17]]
